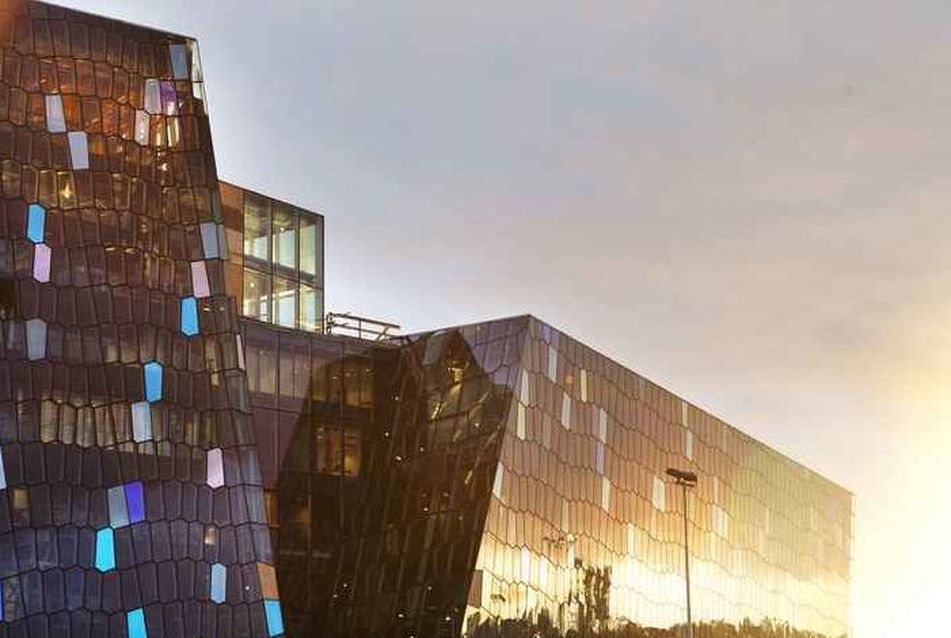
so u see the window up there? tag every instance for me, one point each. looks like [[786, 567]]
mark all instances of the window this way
[[284, 304], [257, 295], [338, 452], [311, 308], [285, 238], [257, 231], [283, 259], [311, 240]]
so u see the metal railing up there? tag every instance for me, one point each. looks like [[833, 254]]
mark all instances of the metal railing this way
[[347, 324]]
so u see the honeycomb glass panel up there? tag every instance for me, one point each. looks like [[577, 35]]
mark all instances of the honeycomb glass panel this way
[[36, 223], [189, 316], [113, 394], [105, 550], [55, 117]]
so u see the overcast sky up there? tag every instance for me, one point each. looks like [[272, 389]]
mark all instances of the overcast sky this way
[[745, 201]]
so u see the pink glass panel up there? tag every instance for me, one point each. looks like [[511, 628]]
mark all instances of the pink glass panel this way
[[200, 280], [41, 262]]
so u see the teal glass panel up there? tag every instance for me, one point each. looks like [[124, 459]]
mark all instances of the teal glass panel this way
[[36, 223], [135, 623], [189, 312], [275, 622], [105, 550], [153, 381]]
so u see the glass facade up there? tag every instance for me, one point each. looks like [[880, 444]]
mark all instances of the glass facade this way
[[183, 452], [131, 500], [276, 259], [503, 479]]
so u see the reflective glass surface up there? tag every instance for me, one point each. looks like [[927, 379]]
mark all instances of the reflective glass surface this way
[[503, 479], [278, 274], [115, 381]]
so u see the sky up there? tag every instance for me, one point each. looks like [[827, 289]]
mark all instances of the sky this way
[[747, 202]]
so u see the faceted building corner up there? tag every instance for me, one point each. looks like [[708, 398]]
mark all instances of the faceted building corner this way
[[132, 503], [188, 448]]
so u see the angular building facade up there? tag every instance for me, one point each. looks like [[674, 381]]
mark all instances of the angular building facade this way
[[133, 503], [184, 451]]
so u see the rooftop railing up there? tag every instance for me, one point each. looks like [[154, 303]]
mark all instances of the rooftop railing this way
[[350, 325]]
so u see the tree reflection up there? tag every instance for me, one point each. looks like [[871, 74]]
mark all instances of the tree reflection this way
[[594, 627]]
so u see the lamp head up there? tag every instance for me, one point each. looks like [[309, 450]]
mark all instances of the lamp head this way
[[682, 476]]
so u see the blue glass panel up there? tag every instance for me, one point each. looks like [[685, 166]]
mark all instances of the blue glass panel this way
[[209, 239], [35, 339], [275, 623], [189, 316], [179, 58], [79, 150], [219, 579], [105, 550], [36, 223], [3, 479], [135, 623], [135, 502], [153, 381]]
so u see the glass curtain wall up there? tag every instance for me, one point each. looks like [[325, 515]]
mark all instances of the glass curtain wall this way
[[283, 264]]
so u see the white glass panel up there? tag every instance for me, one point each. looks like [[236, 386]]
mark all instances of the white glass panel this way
[[216, 470], [55, 118], [209, 239], [659, 497], [36, 339], [142, 127], [118, 514], [566, 411], [79, 150], [141, 421], [153, 97]]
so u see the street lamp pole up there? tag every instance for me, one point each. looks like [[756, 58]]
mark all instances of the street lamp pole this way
[[685, 480]]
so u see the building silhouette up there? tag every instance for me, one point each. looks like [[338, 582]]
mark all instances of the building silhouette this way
[[187, 447]]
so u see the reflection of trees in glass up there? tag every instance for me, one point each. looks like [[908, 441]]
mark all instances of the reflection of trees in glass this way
[[543, 627]]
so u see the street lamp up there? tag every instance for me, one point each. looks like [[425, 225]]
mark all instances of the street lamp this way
[[685, 480]]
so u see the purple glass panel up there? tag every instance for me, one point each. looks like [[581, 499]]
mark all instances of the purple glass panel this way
[[135, 502], [169, 99]]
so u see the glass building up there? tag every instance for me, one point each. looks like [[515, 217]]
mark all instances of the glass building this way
[[275, 263], [185, 452]]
